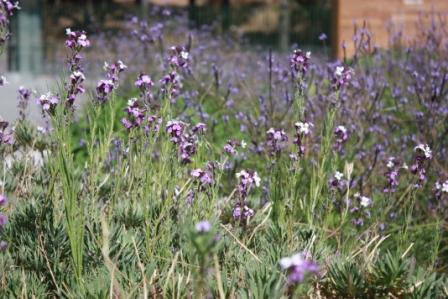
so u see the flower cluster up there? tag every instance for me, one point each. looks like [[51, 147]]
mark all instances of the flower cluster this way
[[203, 227], [175, 130], [7, 9], [248, 179], [275, 141], [186, 141], [75, 86], [24, 98], [392, 175], [422, 154], [144, 83], [299, 62], [204, 177], [298, 267], [341, 77], [76, 40], [341, 134], [136, 114], [441, 189], [171, 86], [337, 181], [105, 86], [143, 32], [179, 57], [231, 146], [360, 209], [6, 136], [48, 102], [242, 212], [303, 129]]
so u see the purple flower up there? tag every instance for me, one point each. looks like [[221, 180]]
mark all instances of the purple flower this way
[[299, 62], [3, 245], [341, 77], [341, 135], [275, 140], [76, 39], [24, 97], [205, 177], [103, 89], [422, 154], [179, 57], [242, 212], [3, 220], [171, 85], [10, 6], [3, 200], [337, 182], [392, 175], [175, 130], [144, 83], [187, 149], [6, 136], [248, 179], [48, 102], [114, 70], [136, 115], [230, 149], [303, 129], [203, 227], [298, 267], [75, 86], [323, 37], [199, 128]]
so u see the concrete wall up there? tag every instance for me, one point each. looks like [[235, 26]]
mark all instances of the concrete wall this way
[[382, 17]]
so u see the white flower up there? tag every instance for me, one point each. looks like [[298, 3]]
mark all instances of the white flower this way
[[308, 54], [242, 173], [338, 175], [304, 128], [257, 179], [365, 201], [339, 70], [184, 54], [424, 148], [243, 144], [443, 187], [77, 75], [288, 262], [3, 81], [121, 65], [132, 101], [390, 162]]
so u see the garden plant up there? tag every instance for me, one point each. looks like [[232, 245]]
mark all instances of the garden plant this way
[[204, 169]]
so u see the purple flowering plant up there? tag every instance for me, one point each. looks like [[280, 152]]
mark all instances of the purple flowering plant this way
[[128, 181]]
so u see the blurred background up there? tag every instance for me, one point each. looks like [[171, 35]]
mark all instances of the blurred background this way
[[328, 28], [39, 28]]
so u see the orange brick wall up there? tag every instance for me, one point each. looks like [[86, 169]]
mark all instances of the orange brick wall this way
[[381, 16]]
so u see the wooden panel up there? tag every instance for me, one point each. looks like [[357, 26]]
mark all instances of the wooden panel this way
[[382, 16]]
